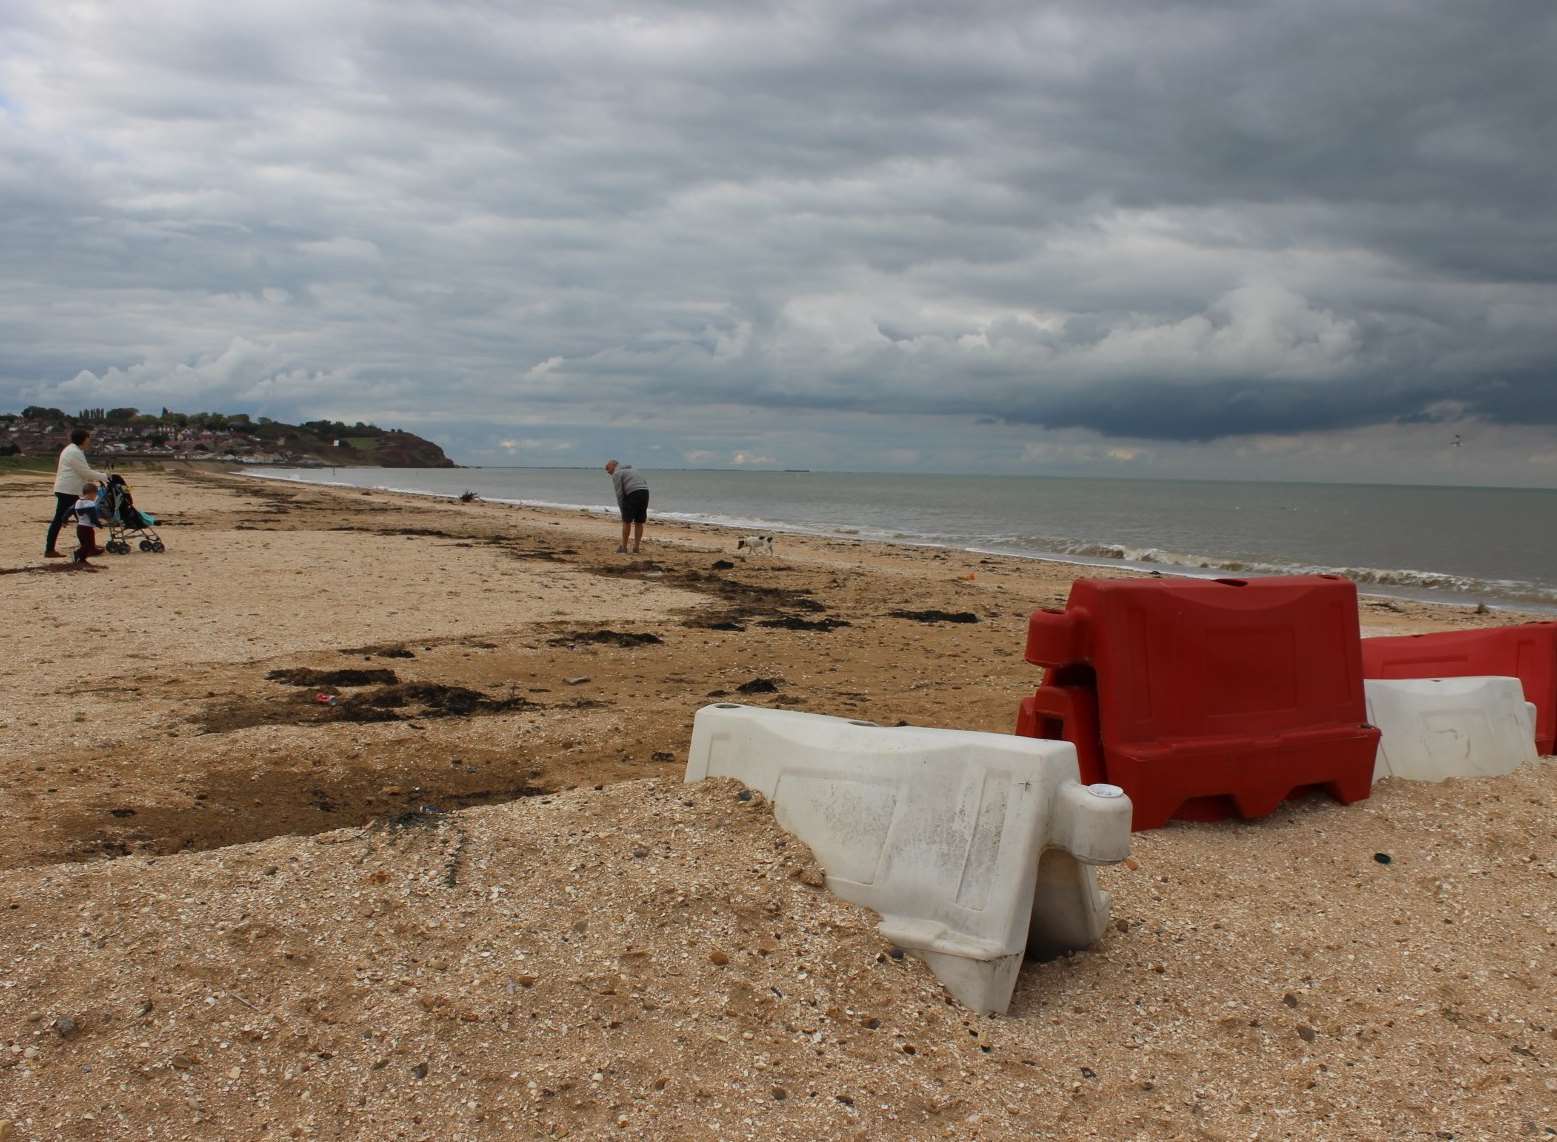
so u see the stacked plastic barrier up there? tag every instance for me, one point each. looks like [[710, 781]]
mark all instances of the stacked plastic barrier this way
[[976, 849], [1206, 698], [1527, 652]]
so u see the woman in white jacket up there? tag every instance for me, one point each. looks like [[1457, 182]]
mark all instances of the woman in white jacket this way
[[73, 472]]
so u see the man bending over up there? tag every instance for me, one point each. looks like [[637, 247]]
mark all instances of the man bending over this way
[[632, 497]]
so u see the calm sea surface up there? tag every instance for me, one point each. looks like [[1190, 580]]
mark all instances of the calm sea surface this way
[[1497, 545]]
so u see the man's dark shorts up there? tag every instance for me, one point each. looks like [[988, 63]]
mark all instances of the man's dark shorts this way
[[635, 508]]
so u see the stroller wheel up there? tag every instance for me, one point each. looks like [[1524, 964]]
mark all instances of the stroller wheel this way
[[159, 547], [145, 545], [117, 547]]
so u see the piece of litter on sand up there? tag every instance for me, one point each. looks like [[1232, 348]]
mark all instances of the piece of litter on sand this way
[[576, 681]]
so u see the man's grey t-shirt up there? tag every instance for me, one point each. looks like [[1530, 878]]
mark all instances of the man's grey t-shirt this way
[[627, 481]]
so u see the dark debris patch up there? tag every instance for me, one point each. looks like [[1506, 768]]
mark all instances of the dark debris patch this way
[[302, 676], [421, 817], [933, 616], [387, 650], [791, 622], [427, 699], [802, 603], [398, 702], [409, 532], [744, 603], [605, 638]]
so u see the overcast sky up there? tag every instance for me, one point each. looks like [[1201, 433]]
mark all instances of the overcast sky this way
[[1282, 240]]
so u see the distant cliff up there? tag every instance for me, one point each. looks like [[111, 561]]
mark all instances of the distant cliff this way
[[234, 437]]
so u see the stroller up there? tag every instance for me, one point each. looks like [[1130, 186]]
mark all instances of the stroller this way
[[125, 520]]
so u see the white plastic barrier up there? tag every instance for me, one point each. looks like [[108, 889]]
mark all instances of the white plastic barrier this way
[[973, 847], [1434, 728]]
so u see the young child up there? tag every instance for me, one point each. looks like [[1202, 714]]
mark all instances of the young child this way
[[87, 522]]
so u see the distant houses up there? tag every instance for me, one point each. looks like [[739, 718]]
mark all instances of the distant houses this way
[[30, 436]]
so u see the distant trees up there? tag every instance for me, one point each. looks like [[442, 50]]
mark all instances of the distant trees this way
[[164, 418], [339, 429], [92, 415]]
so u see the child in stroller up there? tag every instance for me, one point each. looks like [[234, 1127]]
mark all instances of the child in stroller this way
[[125, 520]]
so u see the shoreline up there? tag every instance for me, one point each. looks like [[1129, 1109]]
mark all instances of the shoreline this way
[[1366, 587]]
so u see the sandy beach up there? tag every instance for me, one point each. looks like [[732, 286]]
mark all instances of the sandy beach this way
[[467, 897]]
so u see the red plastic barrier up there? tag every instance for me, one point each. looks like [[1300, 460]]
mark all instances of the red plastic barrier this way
[[1527, 652], [1211, 695], [1066, 713]]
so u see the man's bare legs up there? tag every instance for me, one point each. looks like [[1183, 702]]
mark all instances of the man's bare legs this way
[[637, 535], [626, 531]]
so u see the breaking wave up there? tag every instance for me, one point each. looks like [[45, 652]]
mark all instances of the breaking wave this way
[[1390, 580]]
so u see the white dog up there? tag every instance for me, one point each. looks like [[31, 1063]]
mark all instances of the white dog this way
[[749, 545]]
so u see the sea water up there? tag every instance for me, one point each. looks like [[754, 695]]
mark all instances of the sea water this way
[[1497, 545]]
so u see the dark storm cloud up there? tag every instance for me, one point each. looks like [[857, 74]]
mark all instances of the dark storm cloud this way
[[1161, 221], [1205, 412]]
